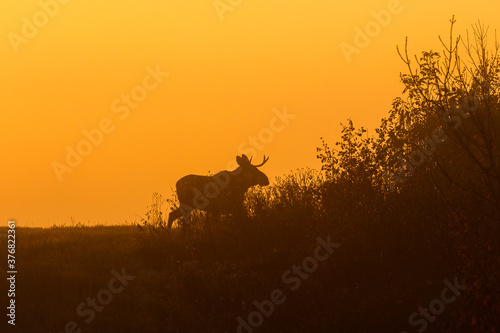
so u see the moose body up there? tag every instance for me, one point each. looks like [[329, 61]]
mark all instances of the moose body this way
[[222, 193]]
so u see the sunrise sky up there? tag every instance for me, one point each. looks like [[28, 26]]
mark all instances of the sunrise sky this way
[[231, 70]]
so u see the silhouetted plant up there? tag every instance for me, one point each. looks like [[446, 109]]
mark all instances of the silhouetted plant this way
[[422, 192], [154, 214]]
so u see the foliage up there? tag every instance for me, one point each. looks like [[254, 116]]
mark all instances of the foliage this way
[[154, 214], [444, 193]]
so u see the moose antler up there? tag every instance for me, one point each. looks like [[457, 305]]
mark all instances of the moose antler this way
[[264, 162]]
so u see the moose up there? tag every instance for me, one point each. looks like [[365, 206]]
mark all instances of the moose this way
[[221, 193]]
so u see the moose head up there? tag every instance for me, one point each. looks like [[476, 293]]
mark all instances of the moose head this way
[[251, 176]]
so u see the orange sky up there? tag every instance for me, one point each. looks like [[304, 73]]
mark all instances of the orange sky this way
[[230, 72]]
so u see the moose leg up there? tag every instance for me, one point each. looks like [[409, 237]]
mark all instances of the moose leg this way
[[174, 215], [183, 211]]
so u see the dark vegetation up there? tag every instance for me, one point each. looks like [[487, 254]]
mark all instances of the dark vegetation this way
[[403, 229]]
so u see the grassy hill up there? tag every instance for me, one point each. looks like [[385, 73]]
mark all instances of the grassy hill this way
[[204, 277]]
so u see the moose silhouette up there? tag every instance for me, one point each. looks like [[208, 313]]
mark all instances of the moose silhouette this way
[[222, 193]]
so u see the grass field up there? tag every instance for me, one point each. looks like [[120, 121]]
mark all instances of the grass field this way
[[201, 279]]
